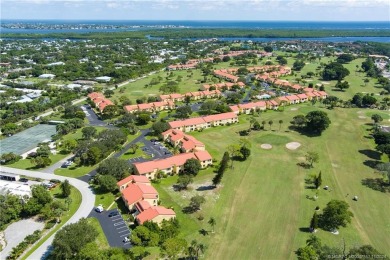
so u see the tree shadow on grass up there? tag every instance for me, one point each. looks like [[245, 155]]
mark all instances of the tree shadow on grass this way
[[376, 184], [304, 165], [371, 163], [203, 232], [204, 188], [371, 154], [305, 229]]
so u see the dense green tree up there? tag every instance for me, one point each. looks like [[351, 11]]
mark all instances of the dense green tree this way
[[192, 167], [245, 152], [318, 179], [376, 118], [143, 119], [314, 222], [367, 251], [381, 138], [233, 98], [342, 85], [173, 247], [142, 236], [334, 71], [115, 167], [159, 127], [40, 162], [184, 180], [317, 121], [89, 132], [345, 58], [222, 168], [298, 65], [268, 49], [183, 112], [66, 188], [9, 129], [368, 100], [10, 208], [335, 214], [196, 201], [70, 240], [107, 183], [9, 158], [299, 121], [312, 157]]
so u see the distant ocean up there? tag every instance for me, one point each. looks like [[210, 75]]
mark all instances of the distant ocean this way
[[149, 24]]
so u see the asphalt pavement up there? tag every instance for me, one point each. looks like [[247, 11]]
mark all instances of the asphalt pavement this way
[[93, 119], [114, 227]]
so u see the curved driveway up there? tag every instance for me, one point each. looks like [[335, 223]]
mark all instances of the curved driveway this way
[[87, 202]]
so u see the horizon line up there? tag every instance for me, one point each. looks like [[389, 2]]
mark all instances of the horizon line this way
[[190, 20]]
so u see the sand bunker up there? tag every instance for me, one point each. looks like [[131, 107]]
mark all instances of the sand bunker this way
[[362, 117], [293, 145], [266, 146], [294, 109]]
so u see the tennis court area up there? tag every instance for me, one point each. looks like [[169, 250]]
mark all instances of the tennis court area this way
[[27, 139]]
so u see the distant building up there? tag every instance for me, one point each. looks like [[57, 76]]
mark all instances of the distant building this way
[[103, 79], [56, 63], [47, 76]]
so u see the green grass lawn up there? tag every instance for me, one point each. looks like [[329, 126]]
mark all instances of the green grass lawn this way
[[101, 239], [138, 153], [263, 209], [25, 164], [74, 205], [104, 198], [74, 171]]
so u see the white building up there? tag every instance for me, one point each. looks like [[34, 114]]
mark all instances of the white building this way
[[14, 188], [47, 76], [103, 79]]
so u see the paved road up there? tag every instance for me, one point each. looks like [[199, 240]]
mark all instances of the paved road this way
[[93, 119], [57, 165], [87, 203]]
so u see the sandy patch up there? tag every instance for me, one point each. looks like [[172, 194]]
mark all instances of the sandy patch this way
[[335, 165], [362, 117], [293, 145], [325, 83], [360, 112], [294, 109], [309, 80], [266, 146]]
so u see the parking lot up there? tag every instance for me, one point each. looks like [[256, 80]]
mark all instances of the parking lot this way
[[114, 227]]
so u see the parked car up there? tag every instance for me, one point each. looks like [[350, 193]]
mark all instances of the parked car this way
[[126, 240], [23, 180], [113, 214], [99, 208]]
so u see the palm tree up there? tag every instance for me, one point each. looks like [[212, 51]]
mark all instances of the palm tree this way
[[280, 124], [270, 122], [263, 123], [212, 223], [195, 249]]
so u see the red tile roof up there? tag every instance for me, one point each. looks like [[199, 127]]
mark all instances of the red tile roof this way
[[137, 192], [133, 179], [153, 212]]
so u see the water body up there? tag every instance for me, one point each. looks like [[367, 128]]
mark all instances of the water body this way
[[147, 24]]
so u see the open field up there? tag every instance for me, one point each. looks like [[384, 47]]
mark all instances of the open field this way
[[263, 209]]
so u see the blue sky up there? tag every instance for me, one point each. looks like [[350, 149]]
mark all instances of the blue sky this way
[[286, 10]]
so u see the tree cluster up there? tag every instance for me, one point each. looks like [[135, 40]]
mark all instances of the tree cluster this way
[[90, 152], [334, 71], [314, 122]]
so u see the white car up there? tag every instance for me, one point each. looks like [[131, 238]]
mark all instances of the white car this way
[[99, 208], [126, 240]]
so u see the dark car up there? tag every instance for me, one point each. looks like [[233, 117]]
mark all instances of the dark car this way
[[113, 214], [23, 180]]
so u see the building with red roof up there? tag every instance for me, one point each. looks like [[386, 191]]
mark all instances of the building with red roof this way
[[171, 165], [141, 199], [155, 214], [99, 100], [150, 107], [132, 179], [184, 142], [197, 123]]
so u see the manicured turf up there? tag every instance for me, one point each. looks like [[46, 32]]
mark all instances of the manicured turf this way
[[263, 209], [101, 239], [25, 164], [74, 171]]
